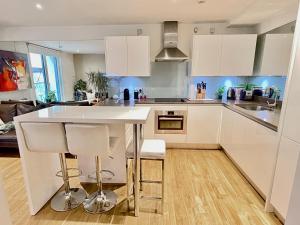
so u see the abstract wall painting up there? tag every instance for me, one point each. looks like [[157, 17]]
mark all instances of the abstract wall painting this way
[[14, 71]]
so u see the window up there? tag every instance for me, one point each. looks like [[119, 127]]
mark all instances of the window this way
[[45, 72]]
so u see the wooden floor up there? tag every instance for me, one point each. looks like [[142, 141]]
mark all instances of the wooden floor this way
[[202, 187]]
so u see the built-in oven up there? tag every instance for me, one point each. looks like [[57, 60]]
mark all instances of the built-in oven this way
[[170, 122]]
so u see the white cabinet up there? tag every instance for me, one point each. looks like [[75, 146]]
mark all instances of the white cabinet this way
[[203, 124], [251, 146], [289, 149], [273, 54], [116, 56], [127, 56], [223, 55], [238, 52], [291, 127], [138, 56], [284, 175], [206, 55]]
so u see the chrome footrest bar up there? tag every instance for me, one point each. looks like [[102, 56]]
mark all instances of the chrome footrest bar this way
[[103, 172], [151, 198], [151, 181], [59, 173]]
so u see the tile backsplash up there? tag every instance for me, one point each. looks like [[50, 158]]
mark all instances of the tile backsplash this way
[[213, 83], [170, 79]]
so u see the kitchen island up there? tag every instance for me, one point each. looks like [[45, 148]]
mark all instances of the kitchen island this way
[[39, 169]]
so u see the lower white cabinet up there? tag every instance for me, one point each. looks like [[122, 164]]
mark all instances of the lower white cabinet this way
[[252, 146], [203, 124], [284, 175]]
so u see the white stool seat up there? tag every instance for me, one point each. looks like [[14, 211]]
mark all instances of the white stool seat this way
[[51, 138], [151, 149], [94, 140]]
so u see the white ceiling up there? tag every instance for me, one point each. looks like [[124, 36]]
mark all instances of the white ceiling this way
[[96, 12]]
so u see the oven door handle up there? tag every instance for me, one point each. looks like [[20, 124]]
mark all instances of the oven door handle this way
[[170, 118]]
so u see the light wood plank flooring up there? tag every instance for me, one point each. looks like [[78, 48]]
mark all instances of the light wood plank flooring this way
[[202, 187]]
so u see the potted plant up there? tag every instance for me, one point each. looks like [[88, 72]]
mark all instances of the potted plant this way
[[248, 86], [99, 82], [51, 97], [220, 92], [79, 90]]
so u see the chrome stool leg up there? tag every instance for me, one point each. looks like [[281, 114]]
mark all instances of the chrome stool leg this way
[[163, 186], [101, 200], [70, 198]]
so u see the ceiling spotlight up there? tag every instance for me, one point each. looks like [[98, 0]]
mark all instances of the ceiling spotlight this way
[[39, 6]]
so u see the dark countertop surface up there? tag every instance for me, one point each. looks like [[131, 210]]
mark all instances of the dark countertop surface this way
[[269, 119]]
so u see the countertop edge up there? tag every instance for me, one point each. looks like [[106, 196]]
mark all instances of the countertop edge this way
[[253, 118]]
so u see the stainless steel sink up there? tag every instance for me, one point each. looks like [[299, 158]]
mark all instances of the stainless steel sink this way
[[254, 107]]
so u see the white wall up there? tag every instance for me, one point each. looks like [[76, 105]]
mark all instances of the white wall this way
[[68, 73], [277, 20], [22, 94], [99, 32], [85, 63], [68, 76]]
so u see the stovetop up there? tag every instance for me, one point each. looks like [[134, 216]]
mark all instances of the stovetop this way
[[167, 100]]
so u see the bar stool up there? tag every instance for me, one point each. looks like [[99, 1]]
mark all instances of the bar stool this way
[[94, 140], [152, 149], [50, 138]]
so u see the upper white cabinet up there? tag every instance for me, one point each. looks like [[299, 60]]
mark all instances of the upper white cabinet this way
[[238, 52], [116, 56], [223, 55], [206, 55], [273, 54], [127, 56], [138, 54]]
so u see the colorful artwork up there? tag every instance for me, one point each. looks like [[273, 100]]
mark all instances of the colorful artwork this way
[[14, 73]]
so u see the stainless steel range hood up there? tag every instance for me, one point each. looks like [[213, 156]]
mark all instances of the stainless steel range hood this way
[[170, 52]]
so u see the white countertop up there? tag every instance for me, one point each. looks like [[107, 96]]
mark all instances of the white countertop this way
[[88, 114]]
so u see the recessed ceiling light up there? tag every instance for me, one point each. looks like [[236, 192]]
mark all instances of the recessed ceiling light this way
[[39, 6], [77, 51]]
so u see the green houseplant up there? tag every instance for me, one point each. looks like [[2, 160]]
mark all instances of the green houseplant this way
[[248, 86], [51, 97], [80, 85], [99, 82], [220, 92]]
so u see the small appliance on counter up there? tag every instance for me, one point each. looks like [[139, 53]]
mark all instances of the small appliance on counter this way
[[136, 94], [246, 95], [126, 94], [231, 93], [257, 92]]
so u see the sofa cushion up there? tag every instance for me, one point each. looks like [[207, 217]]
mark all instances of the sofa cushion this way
[[7, 112], [9, 140], [72, 103], [27, 102], [23, 108]]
